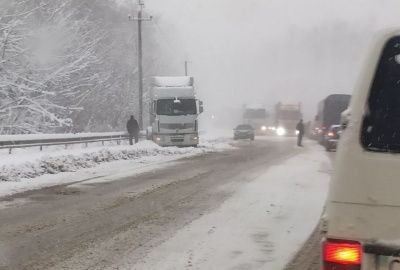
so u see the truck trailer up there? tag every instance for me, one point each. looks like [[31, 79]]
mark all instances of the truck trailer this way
[[329, 112]]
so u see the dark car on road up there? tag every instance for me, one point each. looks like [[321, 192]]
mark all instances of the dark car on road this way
[[332, 137], [243, 132]]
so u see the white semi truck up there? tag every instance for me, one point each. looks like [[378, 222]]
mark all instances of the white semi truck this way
[[256, 115], [174, 112], [287, 115]]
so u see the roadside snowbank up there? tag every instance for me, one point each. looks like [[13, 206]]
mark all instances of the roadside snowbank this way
[[104, 172], [260, 227], [33, 165]]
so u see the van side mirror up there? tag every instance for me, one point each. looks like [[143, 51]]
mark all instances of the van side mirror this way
[[344, 119]]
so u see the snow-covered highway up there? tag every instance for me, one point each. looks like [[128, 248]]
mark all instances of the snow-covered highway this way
[[249, 207]]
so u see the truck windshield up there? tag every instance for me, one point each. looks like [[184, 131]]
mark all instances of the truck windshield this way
[[289, 115], [255, 113], [171, 107]]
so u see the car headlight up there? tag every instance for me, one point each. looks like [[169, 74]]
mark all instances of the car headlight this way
[[273, 128], [297, 132], [263, 128], [280, 131], [194, 137]]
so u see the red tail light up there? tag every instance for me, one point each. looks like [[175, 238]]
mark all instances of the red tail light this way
[[330, 134], [342, 253]]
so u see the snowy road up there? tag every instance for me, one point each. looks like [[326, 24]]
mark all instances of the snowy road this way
[[249, 208]]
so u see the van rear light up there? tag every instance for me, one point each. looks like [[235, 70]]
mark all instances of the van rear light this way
[[342, 255], [330, 134]]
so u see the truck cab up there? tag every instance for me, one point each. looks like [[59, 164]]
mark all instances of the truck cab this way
[[287, 115], [174, 112], [256, 116]]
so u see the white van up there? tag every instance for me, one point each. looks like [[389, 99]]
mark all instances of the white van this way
[[363, 205]]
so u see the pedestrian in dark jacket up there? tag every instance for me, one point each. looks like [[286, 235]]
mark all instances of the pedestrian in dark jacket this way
[[133, 129], [300, 129]]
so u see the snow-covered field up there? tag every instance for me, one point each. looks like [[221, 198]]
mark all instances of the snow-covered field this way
[[261, 227], [30, 169]]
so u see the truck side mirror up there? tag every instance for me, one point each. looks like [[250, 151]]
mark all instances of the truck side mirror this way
[[154, 107], [201, 108]]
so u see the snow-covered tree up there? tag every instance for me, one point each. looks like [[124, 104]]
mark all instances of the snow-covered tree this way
[[68, 65], [48, 65]]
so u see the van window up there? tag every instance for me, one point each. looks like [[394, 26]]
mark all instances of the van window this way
[[381, 124]]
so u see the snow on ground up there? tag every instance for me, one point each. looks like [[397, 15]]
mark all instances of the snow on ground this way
[[102, 173], [260, 227], [29, 169]]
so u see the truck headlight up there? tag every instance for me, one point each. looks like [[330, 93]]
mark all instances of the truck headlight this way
[[160, 138], [280, 131], [263, 128], [194, 137]]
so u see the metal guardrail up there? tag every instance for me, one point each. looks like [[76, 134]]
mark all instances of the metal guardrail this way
[[68, 140]]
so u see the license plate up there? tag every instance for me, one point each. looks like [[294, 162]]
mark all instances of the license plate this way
[[388, 263]]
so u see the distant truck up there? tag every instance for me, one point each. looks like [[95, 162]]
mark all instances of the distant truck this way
[[174, 112], [256, 115], [329, 113], [287, 115]]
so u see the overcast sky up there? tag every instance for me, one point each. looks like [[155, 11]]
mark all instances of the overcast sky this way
[[252, 51]]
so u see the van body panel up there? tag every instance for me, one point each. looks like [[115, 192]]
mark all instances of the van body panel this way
[[366, 223]]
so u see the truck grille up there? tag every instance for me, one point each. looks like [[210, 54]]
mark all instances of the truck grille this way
[[177, 126], [177, 140]]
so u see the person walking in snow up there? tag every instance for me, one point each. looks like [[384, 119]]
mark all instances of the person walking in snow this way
[[300, 129], [133, 129]]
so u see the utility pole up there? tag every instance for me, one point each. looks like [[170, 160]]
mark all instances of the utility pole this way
[[139, 19], [186, 67]]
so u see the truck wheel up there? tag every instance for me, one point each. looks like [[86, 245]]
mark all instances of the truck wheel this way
[[252, 138]]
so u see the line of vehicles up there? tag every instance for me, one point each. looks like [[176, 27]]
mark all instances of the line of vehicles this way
[[174, 111], [257, 121], [325, 128]]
